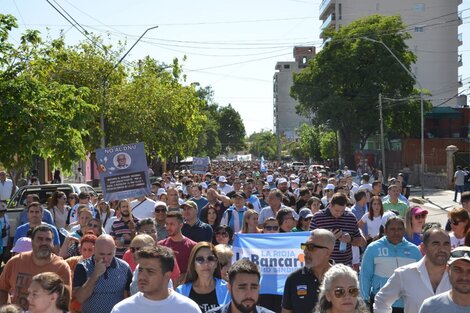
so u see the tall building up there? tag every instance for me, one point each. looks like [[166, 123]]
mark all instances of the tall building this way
[[433, 25], [286, 120]]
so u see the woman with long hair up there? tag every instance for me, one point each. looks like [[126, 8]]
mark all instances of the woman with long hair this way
[[250, 222], [460, 224], [47, 293], [375, 219], [59, 209], [415, 219], [203, 282], [339, 292]]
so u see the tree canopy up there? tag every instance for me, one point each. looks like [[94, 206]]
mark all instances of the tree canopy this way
[[340, 86]]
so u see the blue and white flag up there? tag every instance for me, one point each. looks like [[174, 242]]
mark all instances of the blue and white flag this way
[[262, 167], [277, 255]]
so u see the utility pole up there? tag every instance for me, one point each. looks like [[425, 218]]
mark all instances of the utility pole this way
[[382, 136], [105, 85]]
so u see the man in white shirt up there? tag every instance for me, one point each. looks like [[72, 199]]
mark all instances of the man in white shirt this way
[[6, 187], [418, 281], [143, 207], [155, 268]]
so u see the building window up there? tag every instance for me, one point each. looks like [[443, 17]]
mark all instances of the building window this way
[[420, 7], [419, 29]]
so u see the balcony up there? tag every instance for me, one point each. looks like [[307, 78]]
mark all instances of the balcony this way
[[325, 6], [329, 21]]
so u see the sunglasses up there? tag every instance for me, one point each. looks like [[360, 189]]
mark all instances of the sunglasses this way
[[134, 249], [311, 246], [202, 260], [420, 216], [455, 222], [340, 292], [271, 227], [459, 253], [93, 225], [160, 210]]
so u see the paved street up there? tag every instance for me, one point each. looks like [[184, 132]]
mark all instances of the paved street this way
[[436, 201]]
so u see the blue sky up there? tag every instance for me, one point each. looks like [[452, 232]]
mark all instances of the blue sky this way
[[231, 45]]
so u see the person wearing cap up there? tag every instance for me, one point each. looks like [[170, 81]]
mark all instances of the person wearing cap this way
[[418, 281], [328, 192], [305, 218], [193, 227], [196, 196], [457, 299], [161, 210], [22, 245], [283, 186], [393, 203], [382, 257], [415, 219], [302, 286], [223, 187], [233, 216]]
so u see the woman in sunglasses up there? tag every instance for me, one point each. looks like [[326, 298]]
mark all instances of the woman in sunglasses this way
[[415, 219], [203, 282], [339, 292], [460, 224]]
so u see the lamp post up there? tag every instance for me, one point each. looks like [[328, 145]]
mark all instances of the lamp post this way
[[105, 80], [421, 178]]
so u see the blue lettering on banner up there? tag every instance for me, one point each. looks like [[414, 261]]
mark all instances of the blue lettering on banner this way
[[277, 255]]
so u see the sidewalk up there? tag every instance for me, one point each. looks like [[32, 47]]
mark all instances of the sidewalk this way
[[437, 201]]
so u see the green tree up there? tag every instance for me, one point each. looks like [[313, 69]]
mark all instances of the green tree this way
[[232, 130], [263, 144], [340, 86], [39, 117], [154, 107]]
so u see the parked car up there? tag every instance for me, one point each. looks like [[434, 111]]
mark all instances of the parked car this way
[[16, 204]]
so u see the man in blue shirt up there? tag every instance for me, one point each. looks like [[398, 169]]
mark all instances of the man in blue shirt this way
[[382, 257]]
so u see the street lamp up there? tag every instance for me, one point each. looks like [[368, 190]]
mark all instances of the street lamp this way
[[421, 178], [105, 79]]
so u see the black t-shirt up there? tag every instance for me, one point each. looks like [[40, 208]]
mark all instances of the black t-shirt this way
[[301, 291], [206, 301]]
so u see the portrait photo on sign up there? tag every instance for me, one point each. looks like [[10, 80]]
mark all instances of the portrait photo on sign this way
[[122, 161]]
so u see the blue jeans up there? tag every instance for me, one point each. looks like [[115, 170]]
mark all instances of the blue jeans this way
[[458, 188]]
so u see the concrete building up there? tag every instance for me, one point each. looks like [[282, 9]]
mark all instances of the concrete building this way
[[433, 25], [286, 120]]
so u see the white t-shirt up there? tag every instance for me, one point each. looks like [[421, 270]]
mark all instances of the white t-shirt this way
[[373, 227], [174, 303], [455, 242], [146, 209]]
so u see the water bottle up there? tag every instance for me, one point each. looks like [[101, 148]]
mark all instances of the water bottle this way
[[342, 245]]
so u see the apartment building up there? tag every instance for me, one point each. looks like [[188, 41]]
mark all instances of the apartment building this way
[[286, 120], [433, 25]]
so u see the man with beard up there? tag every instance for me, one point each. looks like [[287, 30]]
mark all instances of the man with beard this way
[[103, 280], [155, 268], [123, 229], [418, 281], [244, 286], [457, 299], [20, 269], [302, 286]]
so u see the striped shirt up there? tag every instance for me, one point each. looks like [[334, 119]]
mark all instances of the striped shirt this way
[[347, 223]]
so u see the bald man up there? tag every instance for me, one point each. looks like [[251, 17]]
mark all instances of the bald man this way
[[102, 280]]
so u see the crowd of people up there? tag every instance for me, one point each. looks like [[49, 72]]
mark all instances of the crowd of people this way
[[367, 248]]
